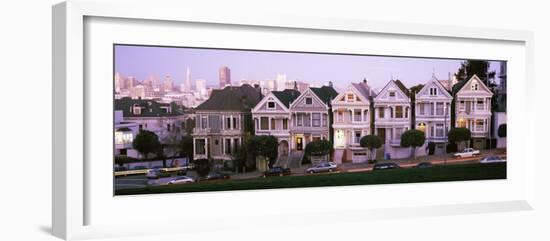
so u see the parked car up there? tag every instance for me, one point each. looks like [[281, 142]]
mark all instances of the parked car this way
[[215, 176], [467, 152], [385, 166], [323, 167], [424, 165], [182, 179], [276, 171], [492, 159], [157, 173]]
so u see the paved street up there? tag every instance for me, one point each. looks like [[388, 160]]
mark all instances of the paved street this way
[[141, 181]]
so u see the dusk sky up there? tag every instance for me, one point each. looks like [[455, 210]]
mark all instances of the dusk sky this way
[[316, 69]]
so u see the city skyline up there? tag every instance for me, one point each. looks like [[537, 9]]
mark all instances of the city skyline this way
[[183, 64]]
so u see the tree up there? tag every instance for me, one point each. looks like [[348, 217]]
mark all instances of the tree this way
[[413, 138], [185, 147], [189, 125], [459, 135], [265, 146], [202, 167], [480, 68], [502, 130], [372, 142], [146, 142], [318, 148]]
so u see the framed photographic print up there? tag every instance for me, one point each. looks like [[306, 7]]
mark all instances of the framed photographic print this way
[[280, 118]]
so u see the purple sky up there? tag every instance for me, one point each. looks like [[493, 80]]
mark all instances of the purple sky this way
[[316, 69]]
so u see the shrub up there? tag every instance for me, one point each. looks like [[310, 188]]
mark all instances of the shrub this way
[[451, 148], [202, 167], [431, 148]]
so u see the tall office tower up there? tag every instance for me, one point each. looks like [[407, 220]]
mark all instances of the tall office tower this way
[[281, 82], [188, 80], [225, 76], [200, 86], [168, 84], [129, 82], [118, 84]]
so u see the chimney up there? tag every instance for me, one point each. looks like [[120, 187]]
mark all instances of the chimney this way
[[330, 83]]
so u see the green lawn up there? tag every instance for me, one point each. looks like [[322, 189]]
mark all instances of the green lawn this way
[[405, 175]]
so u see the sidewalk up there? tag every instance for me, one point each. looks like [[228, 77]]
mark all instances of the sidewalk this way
[[434, 159]]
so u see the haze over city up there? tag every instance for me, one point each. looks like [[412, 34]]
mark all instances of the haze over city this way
[[142, 62]]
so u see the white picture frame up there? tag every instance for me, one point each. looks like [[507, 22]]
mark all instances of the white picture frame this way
[[72, 193]]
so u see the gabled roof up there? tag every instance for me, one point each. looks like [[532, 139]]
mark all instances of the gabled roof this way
[[149, 108], [460, 85], [436, 82], [325, 93], [363, 89], [286, 96], [232, 98], [399, 85], [402, 87]]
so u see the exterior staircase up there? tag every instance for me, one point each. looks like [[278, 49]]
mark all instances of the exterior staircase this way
[[295, 159], [338, 155], [282, 161]]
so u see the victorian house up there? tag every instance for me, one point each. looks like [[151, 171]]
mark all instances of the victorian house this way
[[272, 117], [352, 120], [221, 122], [432, 113], [473, 109], [311, 117], [392, 115]]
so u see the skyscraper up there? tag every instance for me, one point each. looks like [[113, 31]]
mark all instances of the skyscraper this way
[[200, 86], [168, 84], [188, 80], [281, 82], [225, 76]]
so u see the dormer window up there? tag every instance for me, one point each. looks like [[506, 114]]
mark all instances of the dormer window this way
[[391, 94], [433, 91], [271, 104], [309, 101]]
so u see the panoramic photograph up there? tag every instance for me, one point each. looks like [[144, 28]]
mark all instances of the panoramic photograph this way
[[190, 119]]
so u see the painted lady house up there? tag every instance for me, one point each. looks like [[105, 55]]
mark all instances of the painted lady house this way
[[432, 113], [220, 122], [392, 115], [473, 109], [272, 117], [311, 118], [352, 120]]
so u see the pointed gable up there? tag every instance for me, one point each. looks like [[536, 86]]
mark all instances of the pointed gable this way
[[277, 101], [355, 93], [474, 87], [433, 89], [394, 91], [309, 100]]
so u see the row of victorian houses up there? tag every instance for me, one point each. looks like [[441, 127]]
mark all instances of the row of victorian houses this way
[[298, 118]]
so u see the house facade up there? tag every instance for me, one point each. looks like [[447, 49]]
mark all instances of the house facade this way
[[432, 113], [272, 116], [311, 117], [392, 115], [473, 110], [352, 120], [166, 120], [221, 122]]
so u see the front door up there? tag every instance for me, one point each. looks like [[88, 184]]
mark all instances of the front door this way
[[299, 143]]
